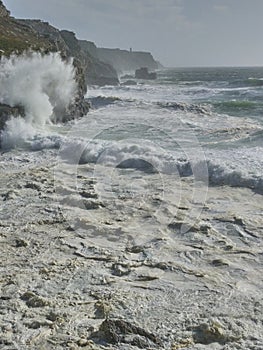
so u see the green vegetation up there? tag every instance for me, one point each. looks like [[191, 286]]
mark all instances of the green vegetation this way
[[8, 46], [16, 38]]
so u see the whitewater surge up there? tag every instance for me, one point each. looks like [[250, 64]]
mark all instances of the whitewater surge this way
[[153, 197], [44, 85]]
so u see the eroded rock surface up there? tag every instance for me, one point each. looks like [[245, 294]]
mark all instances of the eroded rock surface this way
[[115, 276]]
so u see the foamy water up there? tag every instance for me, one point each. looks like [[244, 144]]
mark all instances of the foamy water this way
[[174, 125], [155, 196], [39, 83]]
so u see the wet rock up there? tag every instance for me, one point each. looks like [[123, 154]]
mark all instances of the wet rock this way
[[92, 253], [33, 186], [3, 10], [146, 278], [135, 249], [182, 344], [21, 243], [182, 226], [127, 76], [33, 300], [129, 83], [116, 331], [219, 262], [143, 73], [10, 195], [192, 108], [208, 333], [6, 112], [120, 270], [103, 308], [89, 194], [36, 324], [53, 316], [138, 164], [83, 342], [91, 204]]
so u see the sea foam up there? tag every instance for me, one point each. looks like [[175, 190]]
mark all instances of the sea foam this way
[[39, 83]]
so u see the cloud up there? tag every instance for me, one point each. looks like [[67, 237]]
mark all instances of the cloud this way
[[221, 8], [192, 32]]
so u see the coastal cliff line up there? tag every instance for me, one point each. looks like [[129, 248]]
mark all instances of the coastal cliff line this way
[[93, 65]]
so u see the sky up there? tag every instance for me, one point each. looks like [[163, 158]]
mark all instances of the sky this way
[[176, 32]]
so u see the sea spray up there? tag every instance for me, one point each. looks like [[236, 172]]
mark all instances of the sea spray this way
[[40, 84]]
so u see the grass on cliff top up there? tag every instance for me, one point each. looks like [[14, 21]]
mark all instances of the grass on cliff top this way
[[16, 38], [8, 46]]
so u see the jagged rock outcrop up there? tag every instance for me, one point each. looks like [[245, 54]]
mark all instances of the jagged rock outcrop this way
[[143, 73], [19, 35], [3, 11], [98, 72], [126, 61], [90, 47], [15, 37], [6, 112], [44, 30], [121, 60], [97, 66], [95, 72]]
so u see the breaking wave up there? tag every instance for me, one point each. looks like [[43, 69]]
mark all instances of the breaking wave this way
[[230, 170], [42, 85], [102, 101], [185, 107], [219, 176]]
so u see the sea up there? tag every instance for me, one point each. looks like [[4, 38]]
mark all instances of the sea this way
[[202, 125], [163, 177]]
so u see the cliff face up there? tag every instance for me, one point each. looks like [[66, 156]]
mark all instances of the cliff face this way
[[93, 65], [98, 72], [93, 71], [46, 32], [3, 11], [121, 60], [15, 37], [90, 47], [125, 61]]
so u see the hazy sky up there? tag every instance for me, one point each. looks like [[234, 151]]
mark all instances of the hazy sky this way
[[177, 32]]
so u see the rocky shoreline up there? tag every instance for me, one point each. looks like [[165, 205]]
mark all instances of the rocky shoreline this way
[[103, 284], [93, 65], [90, 263]]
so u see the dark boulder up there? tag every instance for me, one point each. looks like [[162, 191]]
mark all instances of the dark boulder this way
[[3, 11], [97, 72], [127, 76], [143, 73], [129, 82], [6, 112]]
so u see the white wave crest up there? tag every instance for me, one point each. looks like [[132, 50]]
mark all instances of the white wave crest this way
[[41, 84]]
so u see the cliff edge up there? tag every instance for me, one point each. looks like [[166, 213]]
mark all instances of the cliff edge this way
[[93, 65], [21, 35], [121, 60]]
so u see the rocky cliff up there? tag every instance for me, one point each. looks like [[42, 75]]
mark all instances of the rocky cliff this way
[[98, 66], [125, 61], [98, 72], [121, 60], [3, 11], [17, 36], [53, 36], [95, 71]]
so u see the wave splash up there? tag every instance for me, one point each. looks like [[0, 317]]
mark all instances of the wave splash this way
[[42, 85]]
